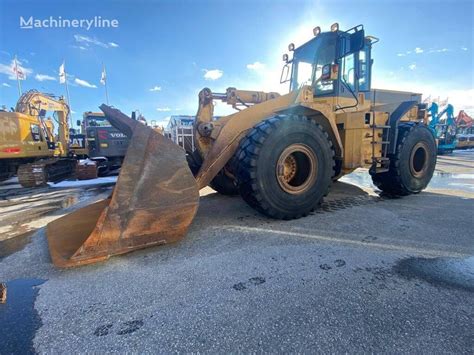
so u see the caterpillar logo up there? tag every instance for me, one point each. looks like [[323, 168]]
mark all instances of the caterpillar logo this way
[[77, 141]]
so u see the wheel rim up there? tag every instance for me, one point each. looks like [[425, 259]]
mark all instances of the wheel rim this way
[[419, 159], [296, 169]]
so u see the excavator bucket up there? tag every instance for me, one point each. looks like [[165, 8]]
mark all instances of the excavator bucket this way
[[154, 201]]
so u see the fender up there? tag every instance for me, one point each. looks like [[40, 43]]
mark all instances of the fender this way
[[394, 120]]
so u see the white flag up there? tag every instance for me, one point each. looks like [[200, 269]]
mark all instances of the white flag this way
[[103, 77], [62, 74], [20, 75]]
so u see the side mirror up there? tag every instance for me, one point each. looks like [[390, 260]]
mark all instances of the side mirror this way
[[285, 72], [357, 41], [352, 43]]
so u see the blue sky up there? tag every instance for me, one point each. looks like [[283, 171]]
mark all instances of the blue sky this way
[[164, 52]]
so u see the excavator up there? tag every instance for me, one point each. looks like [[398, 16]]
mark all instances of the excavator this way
[[281, 153], [28, 144], [465, 131], [444, 128]]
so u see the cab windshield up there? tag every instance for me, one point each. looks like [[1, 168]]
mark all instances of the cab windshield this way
[[97, 121], [309, 59]]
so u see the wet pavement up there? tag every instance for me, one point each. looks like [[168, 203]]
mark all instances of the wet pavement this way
[[364, 273], [25, 210], [18, 318]]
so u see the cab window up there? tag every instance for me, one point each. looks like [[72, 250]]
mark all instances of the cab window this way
[[305, 70], [348, 71], [94, 121], [35, 133], [363, 71]]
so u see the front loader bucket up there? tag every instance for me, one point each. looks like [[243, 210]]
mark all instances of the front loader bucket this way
[[154, 201]]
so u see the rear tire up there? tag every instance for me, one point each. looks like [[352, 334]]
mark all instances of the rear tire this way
[[284, 166], [413, 164]]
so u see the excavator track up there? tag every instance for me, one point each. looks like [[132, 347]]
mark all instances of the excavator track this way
[[41, 172]]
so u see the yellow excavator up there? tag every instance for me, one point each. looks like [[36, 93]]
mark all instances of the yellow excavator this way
[[29, 146], [279, 152]]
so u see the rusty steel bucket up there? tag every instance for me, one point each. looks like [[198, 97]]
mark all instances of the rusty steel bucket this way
[[154, 201]]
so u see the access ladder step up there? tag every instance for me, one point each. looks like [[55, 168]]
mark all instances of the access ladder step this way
[[381, 127]]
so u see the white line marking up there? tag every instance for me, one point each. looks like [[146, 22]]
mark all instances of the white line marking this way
[[405, 249]]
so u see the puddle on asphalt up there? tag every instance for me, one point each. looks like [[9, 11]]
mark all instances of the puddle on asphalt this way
[[463, 182], [12, 245], [444, 272], [19, 320]]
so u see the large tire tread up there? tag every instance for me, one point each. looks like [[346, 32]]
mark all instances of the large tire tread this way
[[245, 164], [391, 182]]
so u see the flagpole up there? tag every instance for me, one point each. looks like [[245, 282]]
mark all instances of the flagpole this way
[[105, 84], [17, 78], [68, 97]]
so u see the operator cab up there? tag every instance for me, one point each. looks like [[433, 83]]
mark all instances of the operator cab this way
[[334, 63], [95, 120]]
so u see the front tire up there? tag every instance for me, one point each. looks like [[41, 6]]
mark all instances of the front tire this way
[[222, 183], [413, 164], [284, 166]]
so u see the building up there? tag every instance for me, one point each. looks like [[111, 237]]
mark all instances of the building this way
[[180, 131]]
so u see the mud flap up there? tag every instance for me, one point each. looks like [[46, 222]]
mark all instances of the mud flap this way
[[154, 202]]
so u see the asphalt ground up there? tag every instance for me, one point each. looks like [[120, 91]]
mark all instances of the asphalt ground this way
[[364, 273]]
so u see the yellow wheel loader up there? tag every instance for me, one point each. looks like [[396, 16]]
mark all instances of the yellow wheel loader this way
[[29, 146], [280, 152]]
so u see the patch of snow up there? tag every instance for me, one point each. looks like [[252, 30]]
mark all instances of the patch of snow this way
[[75, 183], [87, 162]]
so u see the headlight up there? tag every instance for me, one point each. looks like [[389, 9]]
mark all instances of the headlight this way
[[291, 47], [316, 31], [335, 27], [285, 58]]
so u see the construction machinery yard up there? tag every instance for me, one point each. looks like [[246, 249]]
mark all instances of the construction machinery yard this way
[[334, 281], [353, 232]]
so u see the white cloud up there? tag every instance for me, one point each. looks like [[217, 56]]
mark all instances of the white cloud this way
[[6, 85], [7, 69], [82, 48], [412, 66], [418, 50], [84, 83], [163, 109], [44, 77], [213, 74], [464, 48], [442, 50], [256, 66], [87, 41], [401, 54], [156, 88]]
